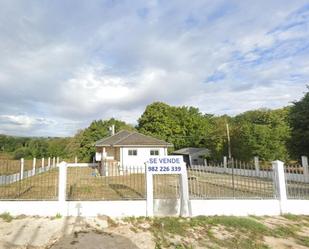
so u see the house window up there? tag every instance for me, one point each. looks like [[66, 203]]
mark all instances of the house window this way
[[132, 152], [154, 152]]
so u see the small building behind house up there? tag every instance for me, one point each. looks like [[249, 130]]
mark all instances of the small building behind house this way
[[129, 148], [193, 156]]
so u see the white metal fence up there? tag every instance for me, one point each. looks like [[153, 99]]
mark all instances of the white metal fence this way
[[7, 178], [238, 180], [280, 186]]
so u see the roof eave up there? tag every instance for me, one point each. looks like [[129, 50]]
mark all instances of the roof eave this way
[[135, 145]]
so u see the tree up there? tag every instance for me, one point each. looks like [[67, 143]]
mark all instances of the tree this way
[[262, 133], [22, 152], [299, 121], [57, 147], [83, 142], [38, 147], [181, 126]]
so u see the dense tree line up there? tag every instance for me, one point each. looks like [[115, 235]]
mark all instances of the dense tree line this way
[[270, 134], [81, 145], [299, 121]]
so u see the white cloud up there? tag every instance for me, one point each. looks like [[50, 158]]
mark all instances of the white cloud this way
[[99, 60]]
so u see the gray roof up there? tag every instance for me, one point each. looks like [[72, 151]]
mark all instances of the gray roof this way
[[191, 151], [129, 138]]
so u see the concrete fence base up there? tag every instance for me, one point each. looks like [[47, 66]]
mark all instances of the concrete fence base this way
[[138, 208]]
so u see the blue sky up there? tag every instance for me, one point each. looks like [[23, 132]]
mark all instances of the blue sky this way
[[66, 63]]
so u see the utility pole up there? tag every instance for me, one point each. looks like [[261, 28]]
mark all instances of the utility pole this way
[[228, 140], [230, 156]]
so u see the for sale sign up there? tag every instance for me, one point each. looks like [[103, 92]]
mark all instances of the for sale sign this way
[[166, 165]]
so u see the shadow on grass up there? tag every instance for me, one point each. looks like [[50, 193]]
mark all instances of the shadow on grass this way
[[120, 189]]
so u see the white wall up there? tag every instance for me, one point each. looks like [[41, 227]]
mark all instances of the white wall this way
[[138, 208], [143, 154], [236, 207], [75, 208]]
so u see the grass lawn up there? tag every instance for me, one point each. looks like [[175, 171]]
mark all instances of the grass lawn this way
[[9, 167], [43, 186], [84, 183]]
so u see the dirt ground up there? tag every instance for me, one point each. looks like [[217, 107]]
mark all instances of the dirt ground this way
[[142, 233]]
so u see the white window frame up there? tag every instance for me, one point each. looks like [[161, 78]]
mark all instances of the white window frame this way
[[155, 151], [131, 152]]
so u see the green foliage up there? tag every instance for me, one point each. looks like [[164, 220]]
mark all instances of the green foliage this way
[[9, 144], [299, 120], [22, 152], [269, 134], [181, 126], [262, 133], [58, 216], [82, 144]]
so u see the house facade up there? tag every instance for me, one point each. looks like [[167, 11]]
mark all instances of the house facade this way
[[127, 148], [193, 156]]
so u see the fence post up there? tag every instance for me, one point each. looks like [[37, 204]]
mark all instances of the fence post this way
[[22, 162], [57, 160], [33, 166], [62, 182], [54, 162], [257, 165], [280, 185], [225, 164], [304, 162], [43, 163], [75, 159], [149, 194], [48, 163]]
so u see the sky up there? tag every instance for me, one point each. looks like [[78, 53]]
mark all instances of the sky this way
[[66, 63]]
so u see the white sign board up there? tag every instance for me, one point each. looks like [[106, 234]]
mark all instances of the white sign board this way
[[164, 166]]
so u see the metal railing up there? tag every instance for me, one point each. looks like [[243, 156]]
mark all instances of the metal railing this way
[[118, 183], [28, 180], [230, 180], [235, 179], [166, 187], [297, 182]]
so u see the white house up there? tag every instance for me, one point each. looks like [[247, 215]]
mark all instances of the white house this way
[[129, 148]]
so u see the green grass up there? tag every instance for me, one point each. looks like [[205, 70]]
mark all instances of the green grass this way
[[304, 241], [165, 229], [291, 217], [6, 217], [240, 232], [58, 216], [240, 223]]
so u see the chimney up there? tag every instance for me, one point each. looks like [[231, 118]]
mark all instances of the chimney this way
[[112, 130]]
